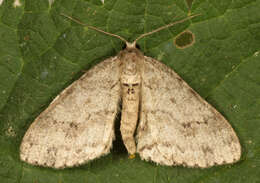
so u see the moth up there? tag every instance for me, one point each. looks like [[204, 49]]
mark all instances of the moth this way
[[173, 124]]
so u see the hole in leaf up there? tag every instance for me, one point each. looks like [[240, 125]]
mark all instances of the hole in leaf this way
[[184, 39]]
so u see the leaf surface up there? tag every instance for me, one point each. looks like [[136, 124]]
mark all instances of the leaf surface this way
[[41, 53]]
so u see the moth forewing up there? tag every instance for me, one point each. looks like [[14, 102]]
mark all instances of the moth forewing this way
[[79, 125]]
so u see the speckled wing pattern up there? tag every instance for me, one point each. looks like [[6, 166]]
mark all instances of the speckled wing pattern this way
[[177, 126], [78, 125]]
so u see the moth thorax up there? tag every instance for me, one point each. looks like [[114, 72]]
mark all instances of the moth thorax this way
[[129, 66], [130, 71], [130, 79]]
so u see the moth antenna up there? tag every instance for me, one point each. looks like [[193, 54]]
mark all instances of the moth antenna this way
[[164, 27], [133, 44], [96, 29]]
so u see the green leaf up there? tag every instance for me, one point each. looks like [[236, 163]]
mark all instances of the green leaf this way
[[41, 53]]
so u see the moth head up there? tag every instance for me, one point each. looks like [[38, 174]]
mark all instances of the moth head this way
[[130, 53]]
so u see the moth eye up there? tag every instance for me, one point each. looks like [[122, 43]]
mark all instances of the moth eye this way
[[124, 46], [135, 84]]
